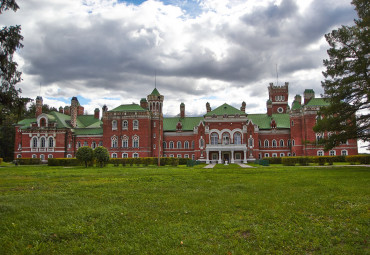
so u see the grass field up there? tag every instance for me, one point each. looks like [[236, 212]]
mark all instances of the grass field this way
[[225, 210]]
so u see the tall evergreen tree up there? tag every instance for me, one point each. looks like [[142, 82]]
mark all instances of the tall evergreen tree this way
[[347, 83]]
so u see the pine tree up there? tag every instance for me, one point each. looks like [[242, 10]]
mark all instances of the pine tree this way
[[347, 84]]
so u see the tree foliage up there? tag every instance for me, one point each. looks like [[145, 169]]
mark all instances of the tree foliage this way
[[347, 84], [85, 154], [101, 155]]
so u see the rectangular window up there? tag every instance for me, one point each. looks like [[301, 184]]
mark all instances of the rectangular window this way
[[214, 156], [154, 135], [179, 155], [171, 155], [193, 157], [238, 156], [154, 146]]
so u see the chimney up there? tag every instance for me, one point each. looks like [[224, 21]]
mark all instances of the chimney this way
[[80, 110], [144, 103], [269, 107], [60, 109], [104, 109], [74, 108], [298, 99], [182, 110], [208, 106], [67, 110], [38, 106], [242, 108], [96, 113], [308, 94]]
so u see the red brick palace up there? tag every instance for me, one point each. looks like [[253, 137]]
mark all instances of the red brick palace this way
[[140, 130]]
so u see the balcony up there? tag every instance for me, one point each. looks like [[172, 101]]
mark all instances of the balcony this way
[[226, 147]]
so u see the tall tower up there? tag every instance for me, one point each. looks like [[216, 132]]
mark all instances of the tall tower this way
[[155, 104], [278, 95], [38, 106]]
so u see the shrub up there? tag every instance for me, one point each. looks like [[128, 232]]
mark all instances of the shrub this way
[[115, 161], [273, 160], [85, 154], [1, 161], [321, 161], [289, 161], [183, 161], [362, 159], [29, 161], [101, 155], [174, 161], [63, 162]]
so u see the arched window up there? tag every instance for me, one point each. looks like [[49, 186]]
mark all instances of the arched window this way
[[135, 142], [319, 136], [135, 155], [178, 145], [93, 145], [266, 143], [114, 141], [225, 138], [192, 144], [237, 138], [114, 125], [34, 142], [289, 143], [42, 142], [214, 138], [171, 145], [250, 142], [201, 142], [124, 155], [42, 122], [19, 156], [344, 152], [124, 124], [292, 123], [135, 124], [50, 156], [186, 145], [34, 156], [320, 153], [274, 143], [51, 142], [42, 157], [78, 145], [281, 143], [69, 156], [114, 155], [332, 153], [164, 145], [293, 142], [125, 142]]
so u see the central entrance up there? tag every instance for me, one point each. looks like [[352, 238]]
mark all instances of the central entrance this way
[[226, 156]]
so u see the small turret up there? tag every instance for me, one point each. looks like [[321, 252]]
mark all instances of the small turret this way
[[38, 106], [182, 110], [96, 113], [208, 107], [308, 94], [242, 108]]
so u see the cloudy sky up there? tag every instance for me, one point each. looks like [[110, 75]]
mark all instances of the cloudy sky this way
[[217, 51]]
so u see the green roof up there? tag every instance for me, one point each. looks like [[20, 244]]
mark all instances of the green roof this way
[[155, 92], [188, 123], [128, 108], [318, 102], [88, 121], [88, 131], [225, 109], [264, 121], [309, 91], [296, 105]]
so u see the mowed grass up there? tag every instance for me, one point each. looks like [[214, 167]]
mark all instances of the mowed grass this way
[[150, 210]]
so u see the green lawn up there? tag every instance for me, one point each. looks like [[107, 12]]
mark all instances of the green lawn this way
[[225, 210]]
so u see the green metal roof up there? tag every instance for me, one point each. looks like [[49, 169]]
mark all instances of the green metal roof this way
[[264, 121], [88, 131], [225, 109], [88, 121], [188, 123], [128, 108], [296, 105], [155, 92], [309, 91], [318, 102]]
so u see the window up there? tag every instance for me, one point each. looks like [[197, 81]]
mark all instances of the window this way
[[319, 136], [114, 125], [289, 154], [238, 156], [42, 143], [214, 156], [225, 138], [238, 138], [280, 110], [34, 142], [19, 156], [274, 155], [42, 122], [292, 123], [293, 142], [100, 143], [165, 155], [320, 153], [164, 145], [42, 157], [192, 144], [266, 143], [282, 155], [135, 124], [274, 143], [135, 155], [135, 142], [124, 124], [69, 156], [332, 153], [93, 145], [114, 141], [289, 143], [179, 155], [153, 146], [186, 145], [124, 155], [178, 145], [193, 157], [186, 156], [125, 142], [201, 142], [114, 155], [78, 145], [293, 154], [267, 155], [344, 153], [259, 143], [85, 143], [50, 156], [214, 138], [154, 124], [171, 145], [171, 155], [250, 142], [281, 143], [51, 142]]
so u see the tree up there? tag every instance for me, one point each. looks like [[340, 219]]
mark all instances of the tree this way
[[101, 155], [347, 84], [85, 154]]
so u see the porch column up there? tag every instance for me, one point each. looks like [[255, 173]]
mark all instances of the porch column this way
[[207, 160], [232, 157], [219, 157], [245, 156]]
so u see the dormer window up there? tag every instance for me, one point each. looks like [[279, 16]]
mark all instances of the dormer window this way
[[42, 122]]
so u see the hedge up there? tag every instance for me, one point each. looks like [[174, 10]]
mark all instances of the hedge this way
[[273, 160], [362, 159], [64, 162], [1, 160], [29, 161]]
